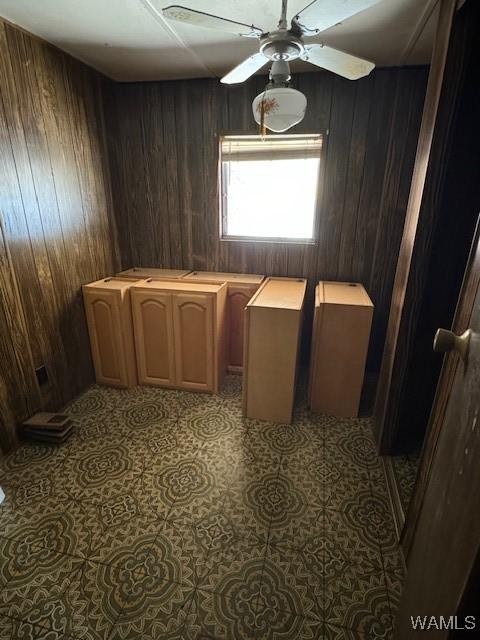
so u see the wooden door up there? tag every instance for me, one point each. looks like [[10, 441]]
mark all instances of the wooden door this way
[[194, 341], [238, 297], [154, 340], [446, 532], [104, 321]]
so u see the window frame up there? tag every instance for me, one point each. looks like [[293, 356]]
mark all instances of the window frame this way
[[223, 204]]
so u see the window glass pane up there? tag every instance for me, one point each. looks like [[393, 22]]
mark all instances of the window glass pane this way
[[271, 198]]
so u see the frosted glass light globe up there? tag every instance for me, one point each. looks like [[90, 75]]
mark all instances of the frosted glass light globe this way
[[283, 108]]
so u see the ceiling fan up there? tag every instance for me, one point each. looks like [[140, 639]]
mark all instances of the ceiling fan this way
[[286, 44]]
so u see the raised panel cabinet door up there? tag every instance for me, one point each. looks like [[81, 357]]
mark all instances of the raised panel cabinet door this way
[[238, 298], [102, 309], [154, 341], [194, 341]]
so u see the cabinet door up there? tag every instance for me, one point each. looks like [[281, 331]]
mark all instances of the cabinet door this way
[[102, 309], [194, 341], [153, 322], [238, 298]]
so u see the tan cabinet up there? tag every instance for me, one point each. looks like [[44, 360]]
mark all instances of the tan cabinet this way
[[109, 320], [341, 332], [140, 273], [179, 333], [194, 337], [155, 339], [272, 340], [241, 288]]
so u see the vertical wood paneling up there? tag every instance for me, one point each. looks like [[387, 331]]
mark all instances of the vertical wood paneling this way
[[441, 218], [57, 220], [371, 128]]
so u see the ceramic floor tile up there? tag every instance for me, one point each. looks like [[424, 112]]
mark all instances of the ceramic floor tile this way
[[194, 486], [31, 458], [14, 629], [96, 475], [173, 482], [150, 411], [250, 504], [95, 432], [394, 583], [355, 597], [95, 400], [111, 531], [274, 440], [213, 530], [346, 539], [346, 463], [345, 490], [164, 448], [232, 388], [213, 420], [365, 515], [92, 602], [182, 546], [289, 583], [50, 634], [294, 521], [273, 624], [337, 633], [169, 515], [30, 576], [234, 569], [377, 517], [214, 616], [27, 502], [153, 611], [305, 476]]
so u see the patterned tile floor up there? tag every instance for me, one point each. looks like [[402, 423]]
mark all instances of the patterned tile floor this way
[[169, 516], [406, 468]]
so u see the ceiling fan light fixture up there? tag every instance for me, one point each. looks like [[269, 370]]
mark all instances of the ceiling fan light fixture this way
[[279, 109]]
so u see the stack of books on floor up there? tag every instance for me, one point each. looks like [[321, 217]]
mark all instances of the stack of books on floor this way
[[47, 427]]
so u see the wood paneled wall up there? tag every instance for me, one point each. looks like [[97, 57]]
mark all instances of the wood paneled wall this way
[[441, 219], [57, 225], [163, 141]]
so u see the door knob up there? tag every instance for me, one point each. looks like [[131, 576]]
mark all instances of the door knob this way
[[446, 341]]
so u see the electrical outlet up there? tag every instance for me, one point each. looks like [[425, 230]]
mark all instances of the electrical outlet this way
[[42, 375]]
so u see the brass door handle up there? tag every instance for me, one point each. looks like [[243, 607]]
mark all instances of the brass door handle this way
[[446, 341]]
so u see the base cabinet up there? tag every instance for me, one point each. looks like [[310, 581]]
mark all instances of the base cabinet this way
[[154, 338], [109, 320], [239, 295], [272, 340], [142, 273], [194, 336], [240, 289], [341, 332], [179, 334]]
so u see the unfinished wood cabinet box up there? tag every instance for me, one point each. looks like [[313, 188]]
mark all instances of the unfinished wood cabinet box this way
[[141, 273], [241, 288], [341, 332], [272, 337], [179, 333], [109, 320]]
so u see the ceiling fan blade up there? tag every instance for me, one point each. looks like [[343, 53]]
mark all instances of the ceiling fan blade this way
[[337, 61], [209, 21], [245, 69], [322, 14]]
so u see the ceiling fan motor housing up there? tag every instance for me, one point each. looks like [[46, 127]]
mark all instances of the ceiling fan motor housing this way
[[281, 46]]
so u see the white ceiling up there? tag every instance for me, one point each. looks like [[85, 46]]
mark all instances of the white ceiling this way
[[129, 40]]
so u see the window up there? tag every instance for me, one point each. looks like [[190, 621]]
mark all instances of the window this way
[[269, 187]]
